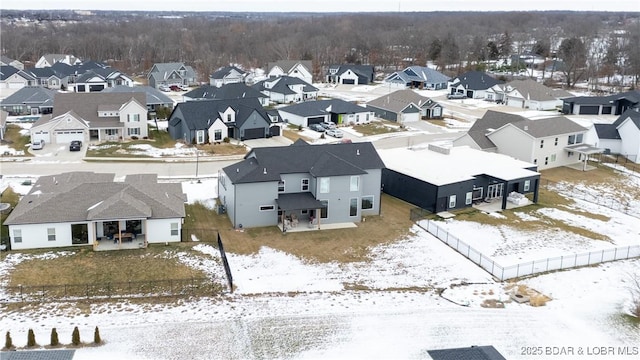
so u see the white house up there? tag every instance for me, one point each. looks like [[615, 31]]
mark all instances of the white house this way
[[90, 209], [49, 59], [527, 94], [301, 69], [227, 75], [338, 111], [286, 89]]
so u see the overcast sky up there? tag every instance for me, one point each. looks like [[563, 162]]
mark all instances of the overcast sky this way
[[326, 5]]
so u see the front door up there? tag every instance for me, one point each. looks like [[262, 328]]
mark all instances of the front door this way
[[494, 191]]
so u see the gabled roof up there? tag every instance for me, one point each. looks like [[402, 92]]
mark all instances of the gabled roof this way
[[36, 95], [399, 100], [533, 90], [153, 95], [90, 196], [363, 71], [558, 125], [287, 65], [283, 85], [227, 91], [86, 104], [224, 71], [44, 73], [475, 80], [202, 114], [419, 74], [632, 96], [7, 71], [266, 164], [632, 114], [5, 60], [163, 70], [607, 131], [322, 107], [63, 69], [491, 121]]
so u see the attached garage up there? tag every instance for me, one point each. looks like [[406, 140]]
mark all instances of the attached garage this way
[[16, 85], [274, 131], [348, 81], [67, 136], [519, 103], [255, 133], [589, 109], [315, 120]]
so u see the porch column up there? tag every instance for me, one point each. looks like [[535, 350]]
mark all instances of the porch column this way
[[318, 216], [535, 191], [504, 196]]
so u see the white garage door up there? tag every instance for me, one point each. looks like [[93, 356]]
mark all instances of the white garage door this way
[[16, 85], [41, 135], [519, 103], [409, 117], [67, 136]]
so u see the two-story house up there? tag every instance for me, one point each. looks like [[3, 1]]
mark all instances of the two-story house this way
[[227, 75], [171, 74], [93, 117], [301, 69], [350, 74], [312, 184], [286, 89]]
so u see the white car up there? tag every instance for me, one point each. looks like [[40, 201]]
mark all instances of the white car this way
[[334, 132], [37, 145], [164, 88]]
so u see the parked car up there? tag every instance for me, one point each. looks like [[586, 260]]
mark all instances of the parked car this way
[[456, 96], [328, 125], [316, 127], [75, 145], [37, 145], [184, 88], [334, 132], [164, 88], [175, 88]]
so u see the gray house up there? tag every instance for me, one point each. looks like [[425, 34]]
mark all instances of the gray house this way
[[313, 184], [417, 77], [171, 74], [29, 100], [350, 74], [404, 106], [227, 91], [155, 97], [601, 105], [207, 121], [335, 110]]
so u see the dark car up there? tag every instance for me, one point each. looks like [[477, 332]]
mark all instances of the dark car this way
[[175, 88], [75, 145], [316, 127], [456, 96]]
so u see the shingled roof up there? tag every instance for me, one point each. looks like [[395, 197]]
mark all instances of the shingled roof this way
[[86, 104], [475, 80], [398, 100], [227, 91], [83, 196], [203, 113], [532, 90], [320, 107], [266, 164]]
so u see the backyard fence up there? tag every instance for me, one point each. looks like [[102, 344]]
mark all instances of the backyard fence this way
[[530, 267], [619, 159], [115, 290], [198, 234]]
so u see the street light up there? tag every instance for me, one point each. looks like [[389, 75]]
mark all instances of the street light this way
[[198, 180]]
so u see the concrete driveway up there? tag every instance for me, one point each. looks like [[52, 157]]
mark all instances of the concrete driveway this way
[[272, 141], [58, 152]]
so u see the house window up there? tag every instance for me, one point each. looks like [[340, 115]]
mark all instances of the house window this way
[[355, 183], [217, 135], [571, 140], [541, 144], [324, 185], [556, 142], [267, 207], [281, 186], [368, 117], [324, 211], [357, 118], [535, 161], [133, 131], [553, 157], [353, 207], [527, 185], [570, 153], [228, 117], [367, 203], [174, 229], [468, 198], [546, 160], [111, 131], [51, 234], [200, 136], [305, 185], [17, 235], [452, 201], [579, 138]]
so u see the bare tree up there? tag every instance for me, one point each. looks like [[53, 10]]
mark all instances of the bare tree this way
[[574, 55]]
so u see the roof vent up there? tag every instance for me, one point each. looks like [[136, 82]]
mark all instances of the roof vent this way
[[264, 171], [358, 152], [237, 170], [526, 128]]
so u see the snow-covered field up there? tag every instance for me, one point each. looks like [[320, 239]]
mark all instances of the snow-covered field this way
[[285, 307]]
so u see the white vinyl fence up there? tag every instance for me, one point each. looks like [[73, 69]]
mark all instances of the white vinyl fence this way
[[531, 267]]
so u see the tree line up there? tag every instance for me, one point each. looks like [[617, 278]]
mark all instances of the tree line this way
[[591, 43]]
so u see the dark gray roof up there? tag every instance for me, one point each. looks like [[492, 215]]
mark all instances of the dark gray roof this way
[[607, 131], [89, 196], [475, 80], [633, 96], [45, 73], [223, 71], [298, 201], [399, 100], [266, 164], [282, 85], [227, 91], [470, 353], [492, 120], [32, 95], [557, 125], [6, 71], [287, 65], [633, 114], [58, 354], [419, 74], [86, 104], [64, 69], [363, 71], [322, 107], [201, 114], [153, 95]]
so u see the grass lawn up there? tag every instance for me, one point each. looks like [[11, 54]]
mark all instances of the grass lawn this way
[[15, 140], [223, 149], [378, 127], [10, 197], [292, 133]]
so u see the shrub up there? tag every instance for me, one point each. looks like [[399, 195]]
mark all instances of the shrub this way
[[75, 336], [54, 337], [96, 336], [8, 343], [31, 338], [226, 139], [134, 138], [299, 127]]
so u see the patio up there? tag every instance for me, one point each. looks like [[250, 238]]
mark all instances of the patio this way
[[304, 226], [106, 244], [495, 205]]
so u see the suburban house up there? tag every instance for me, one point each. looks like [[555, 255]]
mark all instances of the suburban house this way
[[50, 59], [99, 79], [417, 77], [472, 84], [155, 97], [3, 123], [171, 74], [301, 69], [14, 79], [527, 94], [602, 105], [93, 117], [29, 100], [5, 60], [227, 75], [49, 78], [209, 121], [622, 137], [404, 106], [95, 210], [286, 89], [417, 177], [547, 142], [350, 74], [228, 91], [311, 184], [337, 111]]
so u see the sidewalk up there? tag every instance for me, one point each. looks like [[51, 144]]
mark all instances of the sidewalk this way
[[166, 158]]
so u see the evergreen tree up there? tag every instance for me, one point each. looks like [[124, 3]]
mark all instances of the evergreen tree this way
[[96, 336], [31, 338], [8, 343], [75, 336], [54, 337]]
